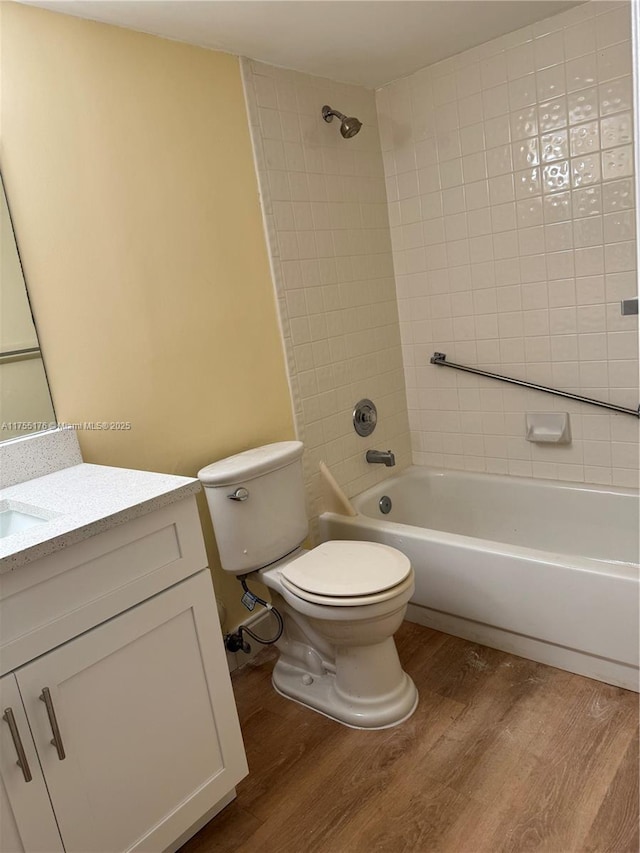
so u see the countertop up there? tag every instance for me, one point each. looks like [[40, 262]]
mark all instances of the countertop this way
[[81, 501]]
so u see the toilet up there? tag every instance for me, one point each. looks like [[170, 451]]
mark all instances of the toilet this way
[[340, 602]]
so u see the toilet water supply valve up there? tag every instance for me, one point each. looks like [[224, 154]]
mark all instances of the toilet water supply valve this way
[[235, 642]]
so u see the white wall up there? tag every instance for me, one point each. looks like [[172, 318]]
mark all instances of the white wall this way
[[325, 211], [509, 174]]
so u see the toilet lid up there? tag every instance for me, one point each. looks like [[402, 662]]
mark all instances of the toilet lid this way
[[346, 569]]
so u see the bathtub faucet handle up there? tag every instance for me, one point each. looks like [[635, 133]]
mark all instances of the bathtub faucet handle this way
[[381, 457]]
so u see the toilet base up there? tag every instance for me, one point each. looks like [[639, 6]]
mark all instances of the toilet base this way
[[379, 712]]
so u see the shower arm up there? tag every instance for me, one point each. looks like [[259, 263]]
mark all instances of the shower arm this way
[[328, 114]]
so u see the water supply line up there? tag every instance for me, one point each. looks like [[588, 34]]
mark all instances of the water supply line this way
[[235, 642]]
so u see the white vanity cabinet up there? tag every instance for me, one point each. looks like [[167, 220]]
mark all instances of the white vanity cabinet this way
[[129, 729]]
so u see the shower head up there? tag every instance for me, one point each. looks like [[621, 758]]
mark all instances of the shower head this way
[[349, 125]]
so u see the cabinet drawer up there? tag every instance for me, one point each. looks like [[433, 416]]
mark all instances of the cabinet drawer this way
[[61, 595]]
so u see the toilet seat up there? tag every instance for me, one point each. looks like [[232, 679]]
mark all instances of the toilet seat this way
[[348, 573], [348, 601]]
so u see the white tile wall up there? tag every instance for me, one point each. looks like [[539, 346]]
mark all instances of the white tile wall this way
[[324, 205], [509, 172]]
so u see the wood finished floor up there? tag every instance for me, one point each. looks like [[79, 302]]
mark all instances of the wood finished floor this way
[[502, 754]]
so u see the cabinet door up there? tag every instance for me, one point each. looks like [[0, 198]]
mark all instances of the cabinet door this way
[[147, 723], [26, 817]]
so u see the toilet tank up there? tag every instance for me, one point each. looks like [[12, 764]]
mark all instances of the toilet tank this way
[[257, 505]]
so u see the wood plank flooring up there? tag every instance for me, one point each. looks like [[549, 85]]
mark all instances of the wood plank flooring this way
[[502, 754]]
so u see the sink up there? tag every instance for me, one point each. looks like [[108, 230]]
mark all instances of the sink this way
[[15, 518]]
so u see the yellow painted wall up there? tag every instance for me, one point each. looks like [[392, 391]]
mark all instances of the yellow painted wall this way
[[129, 172]]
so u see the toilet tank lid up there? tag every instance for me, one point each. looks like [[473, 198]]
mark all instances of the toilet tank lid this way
[[251, 463]]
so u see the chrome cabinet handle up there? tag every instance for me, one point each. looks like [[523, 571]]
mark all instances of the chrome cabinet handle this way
[[45, 697], [22, 762]]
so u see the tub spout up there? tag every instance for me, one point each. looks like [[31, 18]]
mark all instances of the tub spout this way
[[381, 457]]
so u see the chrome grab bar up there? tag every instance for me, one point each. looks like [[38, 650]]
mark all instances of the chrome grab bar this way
[[439, 358]]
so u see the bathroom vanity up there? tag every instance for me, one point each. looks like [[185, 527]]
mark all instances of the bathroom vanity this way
[[119, 729]]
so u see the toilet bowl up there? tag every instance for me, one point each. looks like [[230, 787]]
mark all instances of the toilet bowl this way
[[356, 676], [341, 602]]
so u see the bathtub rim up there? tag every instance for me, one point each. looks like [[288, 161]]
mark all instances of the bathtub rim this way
[[473, 543], [564, 485], [488, 546]]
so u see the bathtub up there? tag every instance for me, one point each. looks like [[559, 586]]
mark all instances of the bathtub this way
[[546, 570]]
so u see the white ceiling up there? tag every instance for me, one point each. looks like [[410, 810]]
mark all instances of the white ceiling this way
[[369, 42]]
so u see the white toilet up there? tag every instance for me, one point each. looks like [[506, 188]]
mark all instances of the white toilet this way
[[341, 602]]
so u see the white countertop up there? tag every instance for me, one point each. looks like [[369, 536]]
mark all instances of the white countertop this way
[[82, 500]]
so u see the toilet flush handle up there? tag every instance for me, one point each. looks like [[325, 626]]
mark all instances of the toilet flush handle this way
[[240, 494]]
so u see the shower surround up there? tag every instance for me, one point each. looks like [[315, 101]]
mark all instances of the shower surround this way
[[505, 238], [325, 211], [510, 183]]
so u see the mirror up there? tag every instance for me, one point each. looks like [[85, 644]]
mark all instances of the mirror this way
[[25, 401]]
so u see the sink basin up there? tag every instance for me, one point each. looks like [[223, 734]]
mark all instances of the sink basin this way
[[13, 520]]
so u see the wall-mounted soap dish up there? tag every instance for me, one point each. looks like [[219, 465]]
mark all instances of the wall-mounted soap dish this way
[[548, 427]]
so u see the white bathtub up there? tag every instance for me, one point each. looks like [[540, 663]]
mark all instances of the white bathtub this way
[[543, 569]]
